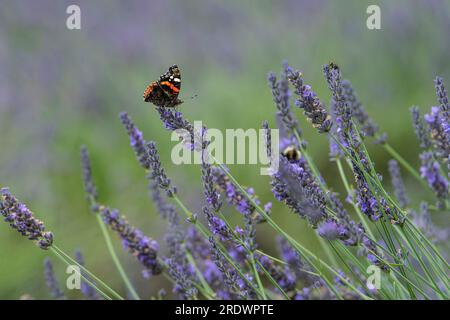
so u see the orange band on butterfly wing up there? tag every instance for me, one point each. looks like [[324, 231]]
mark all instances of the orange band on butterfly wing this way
[[171, 86]]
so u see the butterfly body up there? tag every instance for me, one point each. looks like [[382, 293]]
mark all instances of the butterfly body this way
[[164, 92]]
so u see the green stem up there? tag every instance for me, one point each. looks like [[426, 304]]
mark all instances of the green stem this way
[[206, 233], [93, 276], [308, 255], [115, 259], [347, 188], [204, 283], [59, 256]]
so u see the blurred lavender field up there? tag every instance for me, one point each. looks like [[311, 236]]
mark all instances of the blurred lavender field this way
[[61, 88]]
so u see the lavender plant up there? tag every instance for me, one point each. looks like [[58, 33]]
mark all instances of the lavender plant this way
[[208, 257]]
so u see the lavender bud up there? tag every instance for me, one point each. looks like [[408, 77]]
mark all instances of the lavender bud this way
[[89, 186], [173, 121], [184, 285], [286, 280], [439, 132], [297, 187], [88, 291], [329, 230], [137, 141], [211, 194], [397, 183], [142, 247], [52, 282], [368, 126], [310, 103], [430, 171], [419, 128], [217, 225], [22, 219], [157, 171], [441, 94], [280, 93]]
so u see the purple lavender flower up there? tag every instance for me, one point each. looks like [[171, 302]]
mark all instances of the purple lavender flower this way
[[52, 282], [419, 128], [341, 109], [368, 126], [430, 171], [268, 140], [330, 230], [136, 140], [197, 244], [296, 186], [165, 209], [156, 170], [281, 97], [89, 292], [285, 279], [295, 264], [397, 183], [21, 218], [233, 281], [309, 102], [352, 233], [441, 94], [217, 225], [180, 270], [234, 196], [439, 132], [142, 247], [89, 186], [211, 193], [423, 221], [366, 200], [183, 283], [173, 120], [335, 150]]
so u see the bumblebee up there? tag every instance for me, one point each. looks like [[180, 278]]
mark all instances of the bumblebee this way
[[291, 153]]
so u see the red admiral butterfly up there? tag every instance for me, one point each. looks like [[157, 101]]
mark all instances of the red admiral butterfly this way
[[164, 92]]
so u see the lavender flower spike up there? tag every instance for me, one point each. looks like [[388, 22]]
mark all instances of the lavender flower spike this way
[[142, 247], [310, 103], [297, 187], [430, 171], [397, 183], [173, 120], [136, 139], [368, 126], [419, 128], [21, 218], [341, 108], [439, 131], [52, 282], [441, 94], [89, 292], [157, 171], [211, 193], [281, 98], [217, 225], [89, 185]]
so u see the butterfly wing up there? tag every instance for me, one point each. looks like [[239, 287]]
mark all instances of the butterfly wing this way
[[170, 82], [164, 92]]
